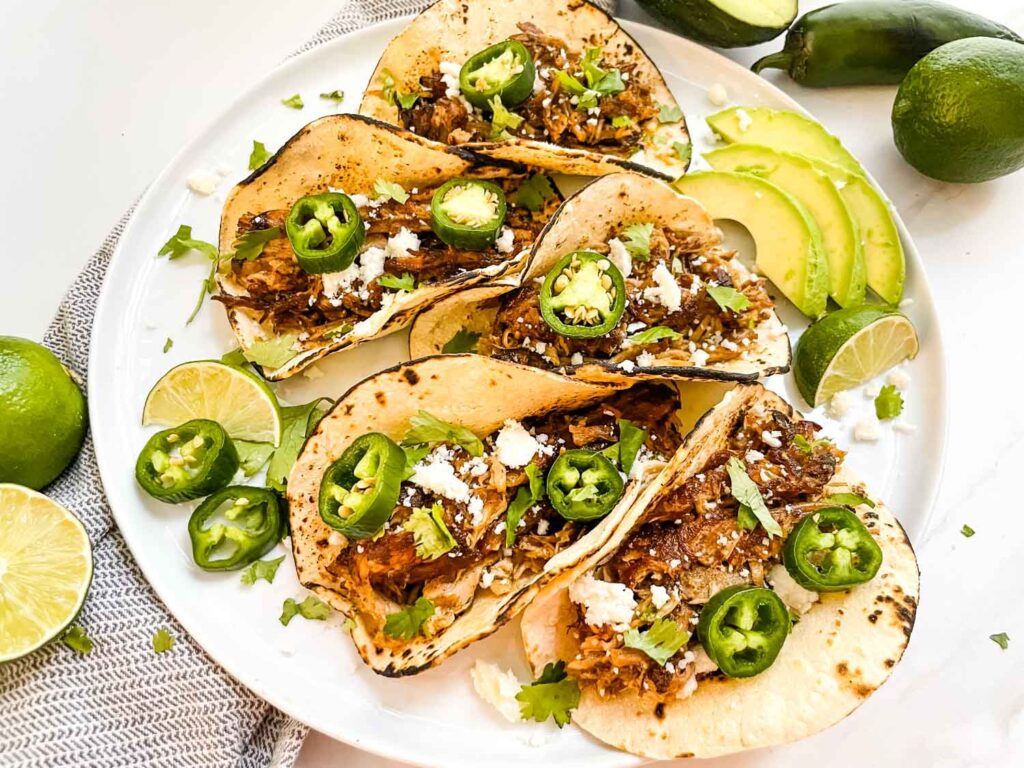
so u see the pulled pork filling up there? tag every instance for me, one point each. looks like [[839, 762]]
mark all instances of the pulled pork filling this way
[[550, 114], [668, 289], [399, 241], [688, 546], [386, 574]]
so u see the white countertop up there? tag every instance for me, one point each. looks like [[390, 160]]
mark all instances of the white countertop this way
[[98, 97]]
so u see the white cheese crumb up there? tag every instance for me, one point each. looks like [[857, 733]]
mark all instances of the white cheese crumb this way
[[899, 378], [514, 446], [619, 255], [359, 201], [505, 241], [666, 291], [645, 360], [401, 244], [771, 439], [753, 456], [604, 602], [628, 366], [659, 596], [717, 95], [450, 77], [497, 688], [839, 405], [576, 359], [203, 182], [699, 358], [476, 509], [438, 476], [745, 120], [792, 594], [335, 539], [867, 430]]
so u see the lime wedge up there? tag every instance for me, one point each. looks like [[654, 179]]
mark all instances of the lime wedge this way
[[848, 347], [206, 389], [45, 569]]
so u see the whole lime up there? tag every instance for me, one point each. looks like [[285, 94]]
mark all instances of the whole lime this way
[[42, 414], [959, 112]]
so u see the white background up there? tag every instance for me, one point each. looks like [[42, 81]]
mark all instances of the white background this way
[[97, 97]]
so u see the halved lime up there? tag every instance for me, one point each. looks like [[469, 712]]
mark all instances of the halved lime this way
[[45, 569], [207, 389], [849, 347]]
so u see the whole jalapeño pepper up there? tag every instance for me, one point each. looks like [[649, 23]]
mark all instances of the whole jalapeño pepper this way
[[467, 213], [583, 296], [186, 462], [505, 70], [326, 232], [743, 628], [831, 550], [234, 527], [583, 485], [359, 491]]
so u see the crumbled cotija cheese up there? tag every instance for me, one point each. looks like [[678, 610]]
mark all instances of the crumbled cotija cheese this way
[[666, 291], [620, 256], [604, 602], [514, 446], [497, 688], [659, 595], [792, 594], [505, 241]]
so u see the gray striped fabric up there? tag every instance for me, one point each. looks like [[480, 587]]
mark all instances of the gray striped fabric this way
[[123, 704]]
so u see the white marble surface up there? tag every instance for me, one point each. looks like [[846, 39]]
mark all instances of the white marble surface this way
[[98, 97]]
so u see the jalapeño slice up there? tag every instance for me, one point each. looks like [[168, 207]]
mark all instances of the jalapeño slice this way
[[583, 296], [326, 232], [583, 485], [743, 628], [831, 550], [234, 527], [505, 70], [359, 491], [186, 462], [467, 213]]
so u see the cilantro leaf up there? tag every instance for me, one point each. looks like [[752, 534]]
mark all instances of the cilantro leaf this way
[[808, 446], [250, 245], [208, 286], [745, 519], [728, 297], [392, 94], [603, 81], [258, 156], [272, 353], [168, 344], [660, 642], [669, 113], [76, 639], [622, 121], [262, 569], [297, 423], [462, 341], [335, 96], [390, 190], [889, 403], [182, 243], [404, 283], [631, 440], [967, 531], [848, 500], [312, 608], [235, 357], [294, 102], [502, 120], [425, 428], [1002, 640], [432, 536], [533, 192], [683, 151], [413, 455], [553, 694], [526, 497], [252, 456], [408, 623], [653, 334], [745, 491], [162, 641], [638, 240]]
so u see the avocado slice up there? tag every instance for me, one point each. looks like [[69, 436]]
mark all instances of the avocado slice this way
[[815, 192], [784, 131], [884, 259], [789, 249], [725, 23]]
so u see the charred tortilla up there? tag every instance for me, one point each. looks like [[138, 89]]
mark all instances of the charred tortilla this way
[[609, 109]]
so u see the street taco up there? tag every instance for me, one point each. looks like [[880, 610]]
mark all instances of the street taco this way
[[352, 226], [756, 595], [556, 85], [437, 498], [639, 286]]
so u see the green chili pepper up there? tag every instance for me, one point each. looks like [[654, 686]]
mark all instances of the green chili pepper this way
[[326, 232], [743, 628], [234, 527], [873, 42], [359, 491], [583, 485], [505, 70], [186, 462], [831, 550], [468, 214], [583, 296]]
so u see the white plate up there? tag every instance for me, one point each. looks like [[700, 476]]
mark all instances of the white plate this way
[[309, 669]]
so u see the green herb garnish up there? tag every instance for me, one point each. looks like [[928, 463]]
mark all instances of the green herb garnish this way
[[294, 102], [669, 113], [427, 429], [889, 403], [258, 156], [638, 240], [653, 334], [390, 190], [429, 531], [728, 297], [250, 245], [1002, 640], [553, 694], [533, 192], [312, 608], [462, 341], [660, 642], [77, 640], [526, 497], [262, 569], [745, 491], [967, 531], [408, 623], [162, 641], [404, 283]]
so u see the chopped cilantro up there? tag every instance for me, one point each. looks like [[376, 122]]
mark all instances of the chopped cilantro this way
[[889, 403], [502, 120], [533, 192], [967, 531], [182, 243], [553, 694], [526, 497], [76, 639], [631, 440], [258, 156], [462, 341], [427, 429], [404, 283], [252, 456], [312, 608], [808, 446], [235, 357], [262, 569], [1002, 640], [728, 297], [208, 286], [604, 82], [683, 151], [390, 190], [622, 121], [162, 641], [250, 245], [432, 536], [408, 623], [297, 423], [660, 642], [168, 344], [413, 455], [392, 94], [294, 102], [638, 240], [745, 491], [848, 500], [669, 113], [272, 353], [335, 96], [653, 334]]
